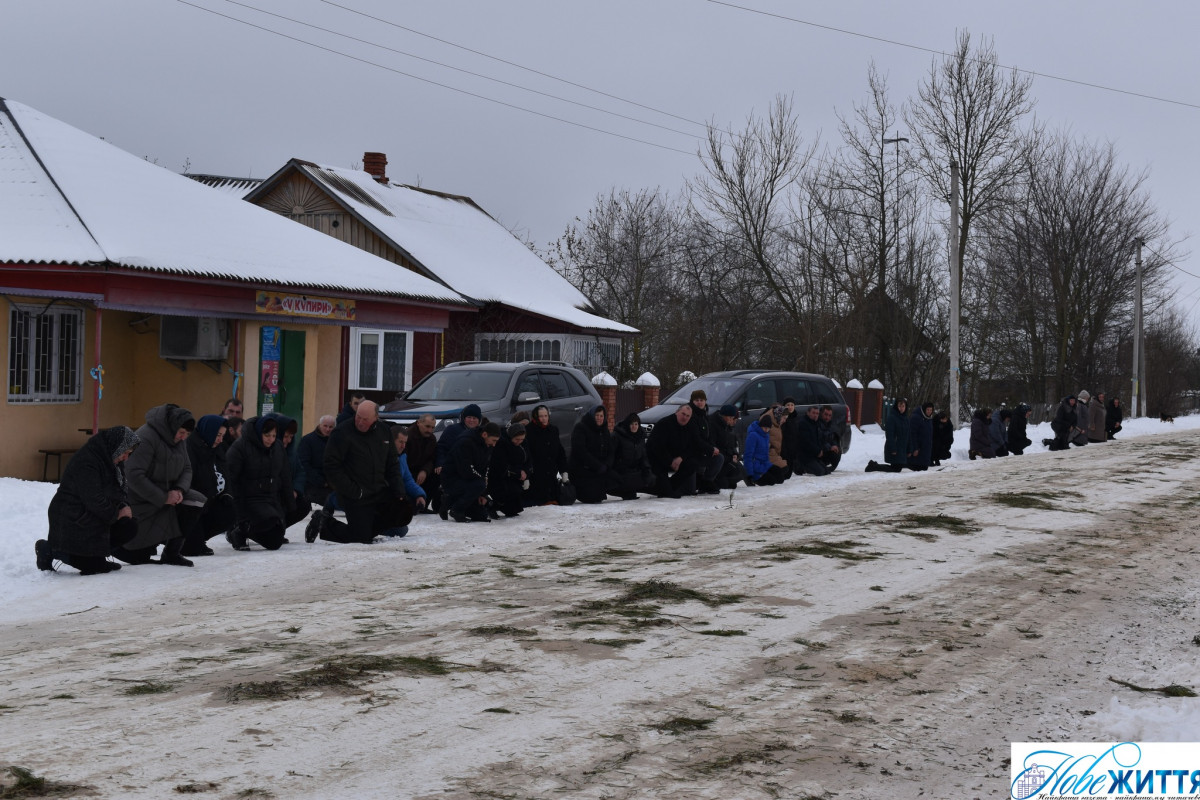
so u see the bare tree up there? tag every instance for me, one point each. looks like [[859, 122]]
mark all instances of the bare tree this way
[[624, 257], [969, 111], [743, 196]]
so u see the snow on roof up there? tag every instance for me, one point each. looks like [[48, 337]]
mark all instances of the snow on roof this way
[[141, 216], [459, 243]]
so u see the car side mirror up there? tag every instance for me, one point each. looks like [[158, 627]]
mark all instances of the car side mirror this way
[[528, 397]]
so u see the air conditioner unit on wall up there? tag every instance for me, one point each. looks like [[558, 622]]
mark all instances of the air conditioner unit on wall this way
[[193, 339]]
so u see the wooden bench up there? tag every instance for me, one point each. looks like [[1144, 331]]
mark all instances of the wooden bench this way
[[58, 453]]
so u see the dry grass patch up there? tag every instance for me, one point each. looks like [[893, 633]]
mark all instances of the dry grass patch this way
[[844, 550]]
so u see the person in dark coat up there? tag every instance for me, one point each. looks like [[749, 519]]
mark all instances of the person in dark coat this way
[[309, 480], [807, 453], [759, 469], [1063, 425], [711, 462], [1018, 439], [943, 438], [160, 487], [348, 410], [675, 453], [507, 472], [89, 513], [257, 474], [297, 509], [1113, 414], [362, 468], [831, 443], [789, 430], [422, 460], [547, 458], [468, 421], [920, 438], [219, 513], [630, 467], [998, 431], [464, 475], [981, 437], [895, 444], [722, 425], [591, 456]]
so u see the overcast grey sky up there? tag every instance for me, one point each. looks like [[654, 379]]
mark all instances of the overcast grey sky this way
[[167, 80]]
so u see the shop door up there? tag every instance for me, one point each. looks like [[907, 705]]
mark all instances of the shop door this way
[[291, 378]]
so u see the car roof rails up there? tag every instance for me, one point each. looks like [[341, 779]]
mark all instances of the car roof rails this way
[[468, 363], [548, 361]]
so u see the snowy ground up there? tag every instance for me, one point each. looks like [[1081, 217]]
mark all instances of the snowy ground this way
[[837, 646]]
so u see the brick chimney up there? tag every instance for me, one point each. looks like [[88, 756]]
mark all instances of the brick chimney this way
[[375, 165]]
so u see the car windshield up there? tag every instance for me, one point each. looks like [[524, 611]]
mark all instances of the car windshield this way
[[461, 384], [719, 391]]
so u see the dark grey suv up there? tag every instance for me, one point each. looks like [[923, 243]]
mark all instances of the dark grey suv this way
[[752, 391], [500, 390]]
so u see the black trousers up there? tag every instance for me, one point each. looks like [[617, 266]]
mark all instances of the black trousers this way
[[366, 519], [119, 533]]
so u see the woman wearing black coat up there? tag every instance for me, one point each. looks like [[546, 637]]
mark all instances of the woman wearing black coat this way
[[90, 514], [630, 467], [591, 456], [943, 438], [256, 473], [507, 472], [981, 437], [546, 458], [1018, 439], [208, 478], [920, 438]]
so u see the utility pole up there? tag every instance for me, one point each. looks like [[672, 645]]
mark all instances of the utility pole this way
[[1139, 366], [955, 299], [896, 140]]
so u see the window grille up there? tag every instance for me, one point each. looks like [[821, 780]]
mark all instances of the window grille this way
[[45, 354]]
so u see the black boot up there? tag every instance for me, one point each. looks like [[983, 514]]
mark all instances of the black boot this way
[[236, 538], [316, 523], [172, 554], [45, 559]]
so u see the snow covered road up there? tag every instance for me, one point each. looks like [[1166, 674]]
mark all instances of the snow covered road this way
[[858, 636]]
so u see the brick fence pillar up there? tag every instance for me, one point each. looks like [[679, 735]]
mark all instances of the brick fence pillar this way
[[606, 385], [650, 387]]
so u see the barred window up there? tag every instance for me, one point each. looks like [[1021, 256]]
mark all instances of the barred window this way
[[381, 360], [45, 354]]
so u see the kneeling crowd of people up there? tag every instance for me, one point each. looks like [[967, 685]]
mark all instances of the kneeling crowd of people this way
[[923, 439], [177, 482]]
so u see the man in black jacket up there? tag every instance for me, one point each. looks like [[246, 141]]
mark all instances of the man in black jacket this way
[[464, 474], [676, 452], [722, 425], [831, 443], [711, 462], [362, 467], [310, 482]]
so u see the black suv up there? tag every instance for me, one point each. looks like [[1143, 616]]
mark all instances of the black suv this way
[[500, 390], [752, 391]]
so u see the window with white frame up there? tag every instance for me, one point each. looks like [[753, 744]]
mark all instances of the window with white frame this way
[[45, 354], [380, 360]]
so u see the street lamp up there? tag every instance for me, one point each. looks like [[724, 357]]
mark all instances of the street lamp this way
[[896, 140]]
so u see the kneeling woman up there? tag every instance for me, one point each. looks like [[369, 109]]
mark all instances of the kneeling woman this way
[[256, 471], [90, 514]]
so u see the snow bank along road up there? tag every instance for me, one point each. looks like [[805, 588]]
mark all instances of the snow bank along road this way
[[888, 637]]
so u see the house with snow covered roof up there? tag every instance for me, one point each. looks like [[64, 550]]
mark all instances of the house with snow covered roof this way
[[526, 310], [125, 286]]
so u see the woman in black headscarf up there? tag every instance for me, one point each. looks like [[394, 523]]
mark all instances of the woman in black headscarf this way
[[90, 514]]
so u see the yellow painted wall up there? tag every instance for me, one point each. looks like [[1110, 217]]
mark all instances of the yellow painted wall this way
[[135, 380]]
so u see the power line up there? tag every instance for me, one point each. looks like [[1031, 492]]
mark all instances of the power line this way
[[458, 69], [514, 64], [930, 50], [436, 83]]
